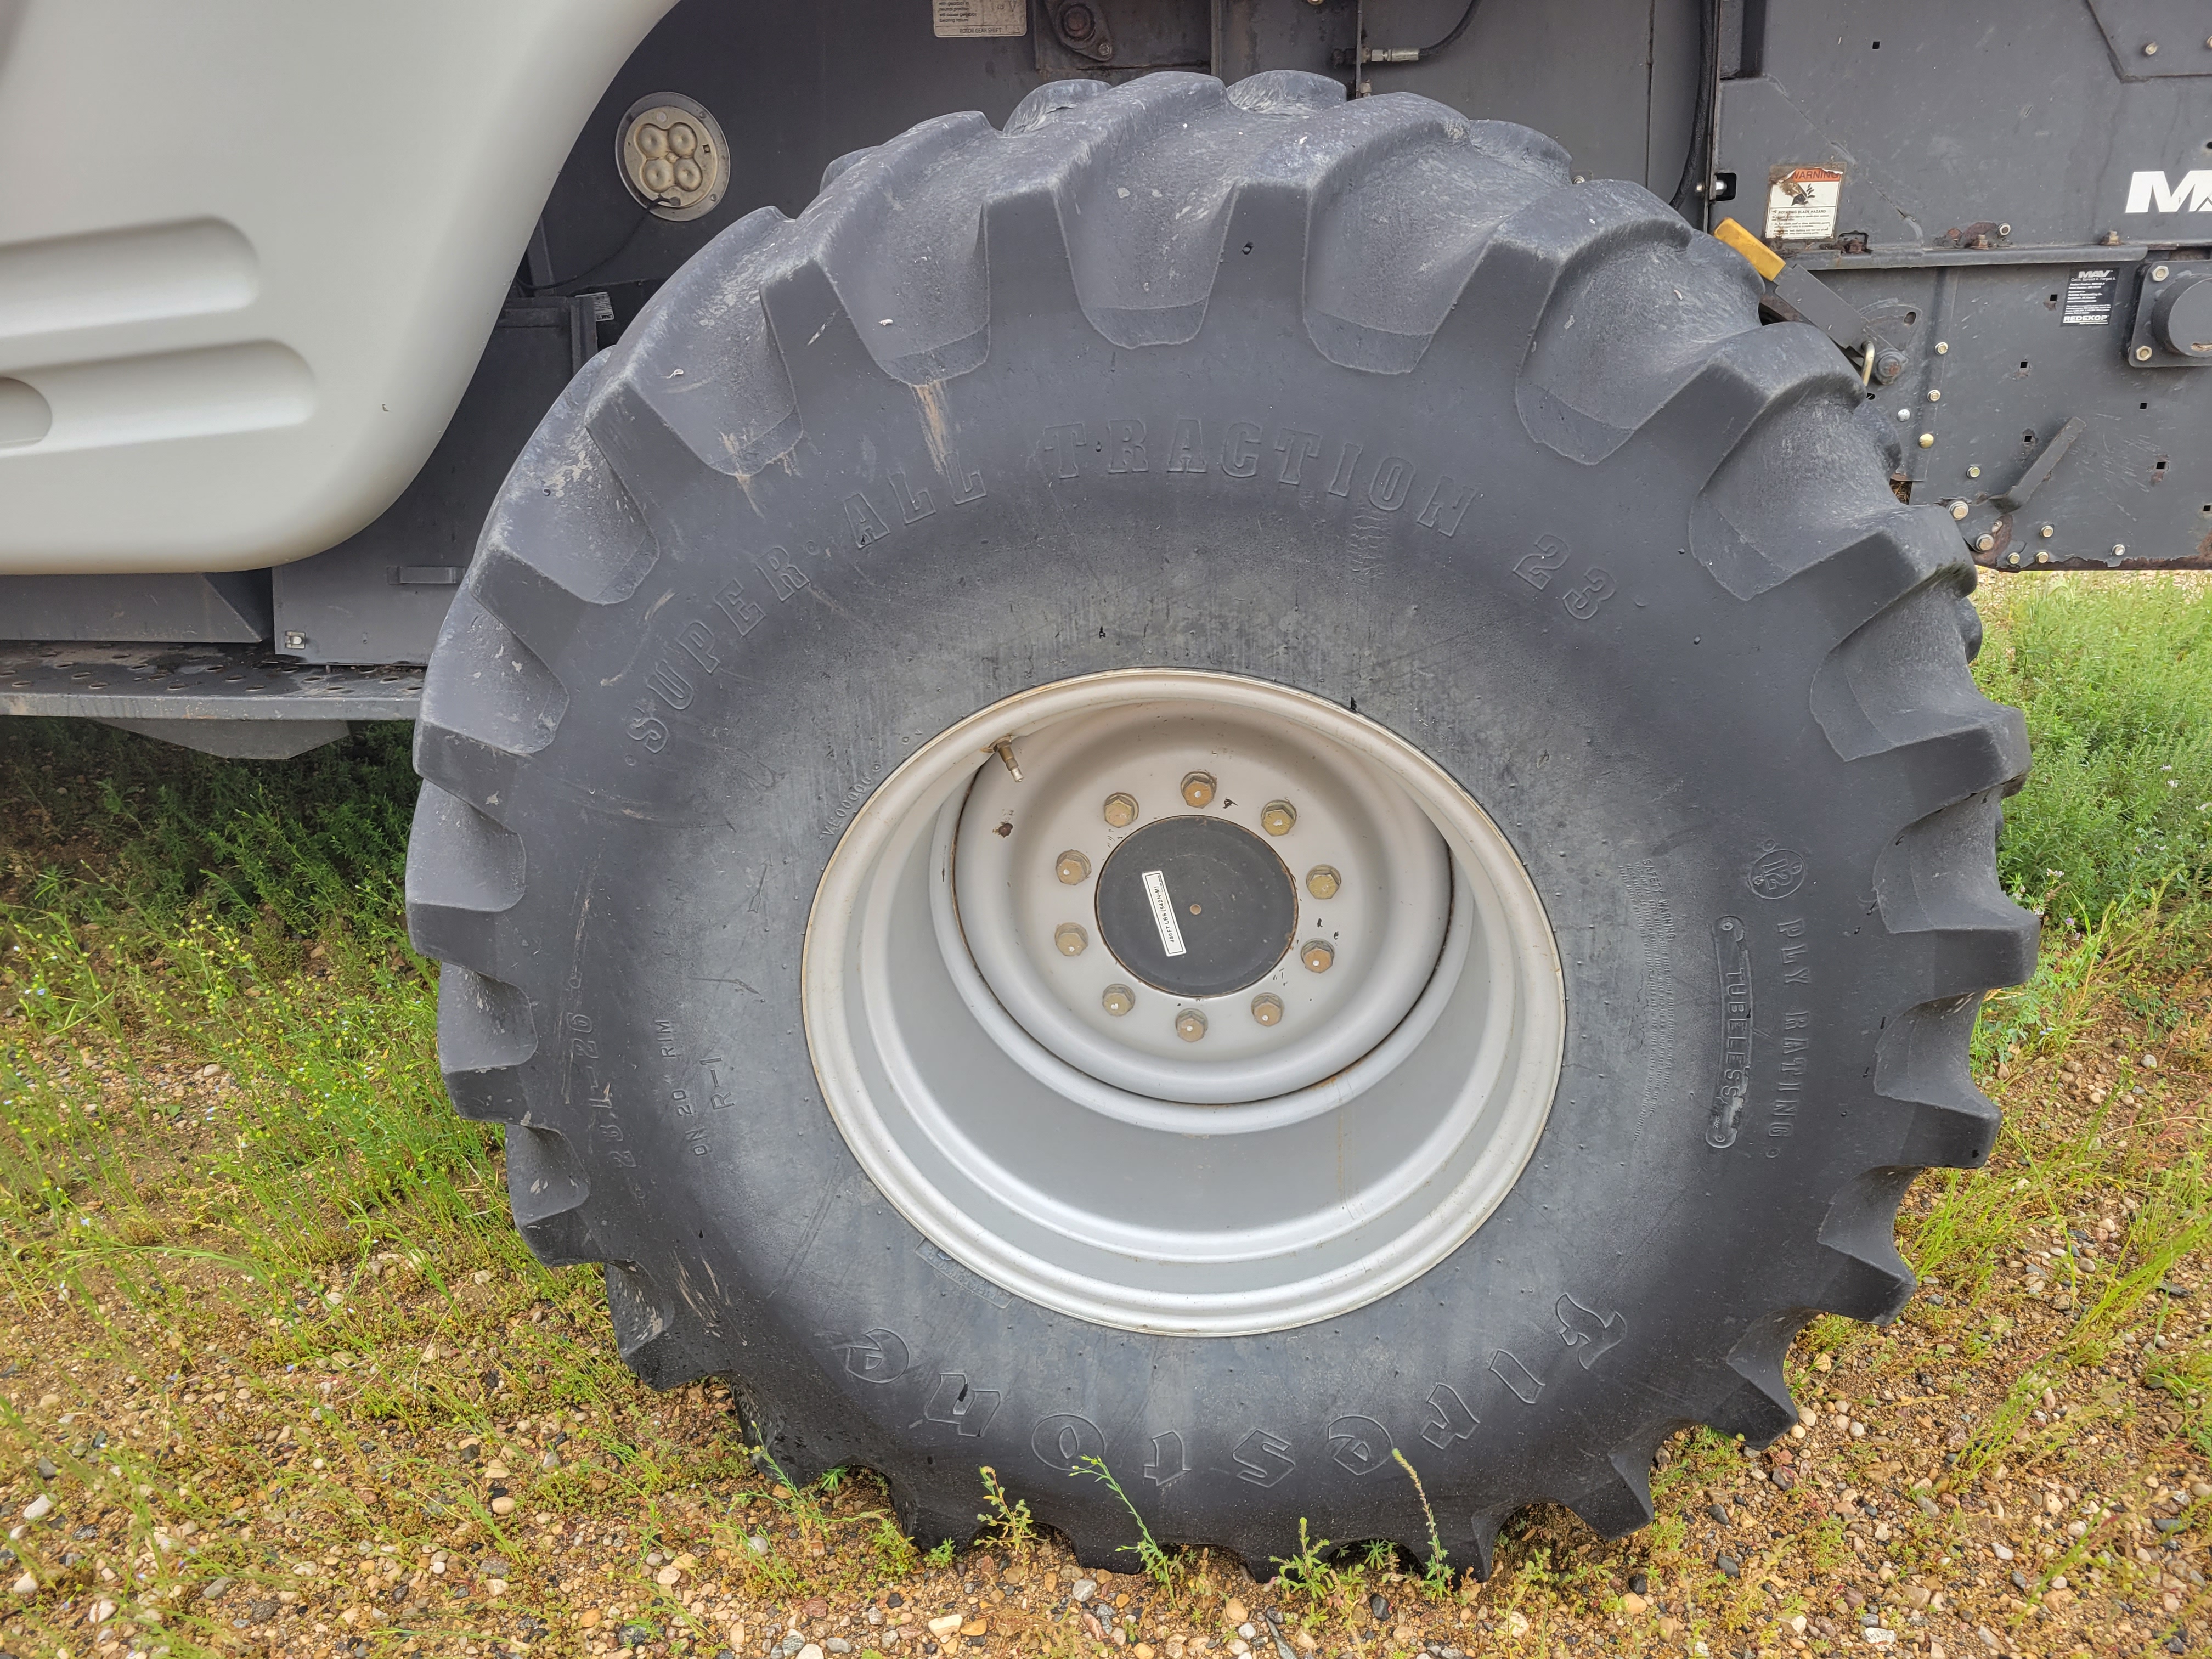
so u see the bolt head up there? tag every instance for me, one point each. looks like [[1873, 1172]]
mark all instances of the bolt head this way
[[1198, 789], [2119, 550], [1973, 472], [2004, 230], [1927, 440], [2150, 48], [295, 641], [1120, 810], [1277, 816], [1070, 940], [1322, 882], [2013, 557], [2142, 354], [1268, 1009], [2048, 532], [1984, 544], [2158, 273], [1942, 347], [1318, 955], [2043, 555], [1190, 1024], [1073, 867], [1117, 1000], [1959, 509], [1935, 396]]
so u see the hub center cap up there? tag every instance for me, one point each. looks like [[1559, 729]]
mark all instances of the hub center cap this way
[[1197, 907]]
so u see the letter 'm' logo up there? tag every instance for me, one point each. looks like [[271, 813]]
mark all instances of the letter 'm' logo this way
[[2148, 192]]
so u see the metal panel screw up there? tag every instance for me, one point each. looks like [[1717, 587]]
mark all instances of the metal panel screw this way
[[1120, 810], [1958, 509], [1322, 882], [1317, 955], [2119, 550], [2150, 49], [1985, 542], [1942, 347], [1190, 1024], [1198, 789], [295, 641], [1118, 1000], [1069, 939], [1268, 1010], [1072, 868], [1277, 816], [1973, 472], [1935, 396], [1927, 440], [2158, 273], [2047, 532], [2142, 354]]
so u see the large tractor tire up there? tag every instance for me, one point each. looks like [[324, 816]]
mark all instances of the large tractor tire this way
[[1223, 787]]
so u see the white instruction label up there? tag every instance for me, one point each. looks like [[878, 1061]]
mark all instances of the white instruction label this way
[[1164, 916], [963, 20], [1801, 204]]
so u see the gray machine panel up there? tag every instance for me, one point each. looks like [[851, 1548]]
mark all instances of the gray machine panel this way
[[1988, 172]]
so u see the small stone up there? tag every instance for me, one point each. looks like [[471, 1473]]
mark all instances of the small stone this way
[[1632, 1604], [551, 1460], [838, 1644], [668, 1576], [1379, 1607], [215, 1591], [588, 1617], [1727, 1564], [1916, 1596], [1248, 1630], [1640, 1584], [2002, 1552], [757, 1544], [1083, 1589], [947, 1626], [47, 1471], [25, 1585], [812, 1650], [39, 1508], [976, 1627], [502, 1505], [1232, 1611]]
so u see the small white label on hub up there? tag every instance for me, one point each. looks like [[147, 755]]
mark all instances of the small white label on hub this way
[[1164, 916]]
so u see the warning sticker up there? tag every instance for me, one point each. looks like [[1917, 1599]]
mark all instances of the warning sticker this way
[[2089, 294], [1164, 915], [1801, 204], [962, 19]]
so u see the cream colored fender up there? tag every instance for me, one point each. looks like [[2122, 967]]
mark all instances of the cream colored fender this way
[[250, 251]]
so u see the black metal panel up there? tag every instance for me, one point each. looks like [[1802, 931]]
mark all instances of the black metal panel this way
[[1989, 159], [381, 595], [228, 607]]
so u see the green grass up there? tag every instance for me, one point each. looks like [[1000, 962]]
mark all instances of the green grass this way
[[2115, 676], [226, 1157]]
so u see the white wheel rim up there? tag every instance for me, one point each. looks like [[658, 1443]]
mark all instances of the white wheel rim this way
[[1286, 1173]]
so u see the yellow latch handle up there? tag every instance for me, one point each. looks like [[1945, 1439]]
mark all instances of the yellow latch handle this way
[[1763, 259]]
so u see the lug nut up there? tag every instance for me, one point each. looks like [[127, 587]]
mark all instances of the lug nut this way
[[1198, 789], [1277, 816], [1120, 810], [1322, 882], [1958, 509], [1072, 868], [1190, 1024], [1070, 940], [1317, 955], [1118, 1000], [1268, 1009]]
